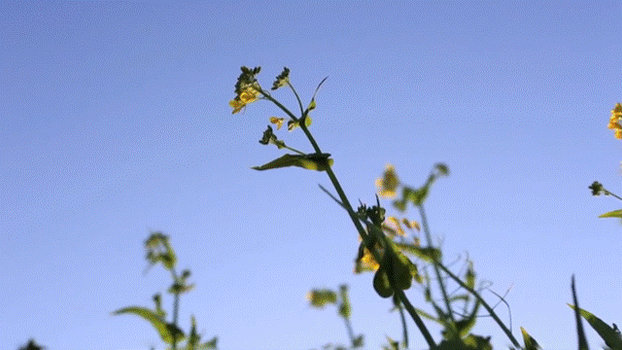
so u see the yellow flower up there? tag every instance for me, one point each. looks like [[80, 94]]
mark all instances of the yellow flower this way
[[392, 226], [411, 224], [277, 121], [388, 183], [368, 262], [247, 96]]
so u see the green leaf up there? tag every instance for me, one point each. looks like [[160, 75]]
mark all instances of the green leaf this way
[[580, 333], [382, 284], [612, 214], [470, 276], [312, 161], [477, 342], [345, 309], [212, 344], [465, 325], [321, 297], [612, 338], [165, 330], [428, 254], [530, 343]]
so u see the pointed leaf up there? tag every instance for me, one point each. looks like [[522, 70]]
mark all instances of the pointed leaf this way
[[165, 330], [530, 343], [428, 254], [321, 297], [612, 214], [319, 162], [612, 338]]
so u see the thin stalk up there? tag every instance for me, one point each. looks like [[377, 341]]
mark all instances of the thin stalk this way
[[175, 309], [404, 326], [490, 310], [607, 192], [350, 331], [297, 97], [428, 236]]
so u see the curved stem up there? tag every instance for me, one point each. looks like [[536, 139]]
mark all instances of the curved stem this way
[[404, 326], [490, 310], [428, 236], [297, 97]]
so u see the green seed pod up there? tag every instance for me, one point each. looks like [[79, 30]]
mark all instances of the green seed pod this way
[[381, 284]]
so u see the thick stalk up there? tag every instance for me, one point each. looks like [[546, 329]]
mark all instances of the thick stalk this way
[[355, 220]]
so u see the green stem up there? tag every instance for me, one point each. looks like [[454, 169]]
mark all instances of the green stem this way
[[404, 326], [490, 310], [607, 192], [175, 309], [297, 97], [428, 236], [350, 331]]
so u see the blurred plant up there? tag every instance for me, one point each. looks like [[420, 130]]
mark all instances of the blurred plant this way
[[319, 298], [160, 251], [32, 345]]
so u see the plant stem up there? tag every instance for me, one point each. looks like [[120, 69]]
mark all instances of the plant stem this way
[[490, 310], [175, 309], [404, 326], [428, 236], [350, 331]]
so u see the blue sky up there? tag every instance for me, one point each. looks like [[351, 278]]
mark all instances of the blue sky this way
[[114, 122]]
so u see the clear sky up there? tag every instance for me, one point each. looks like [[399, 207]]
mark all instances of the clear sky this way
[[114, 121]]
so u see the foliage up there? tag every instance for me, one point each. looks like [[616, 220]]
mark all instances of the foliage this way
[[160, 251], [319, 298]]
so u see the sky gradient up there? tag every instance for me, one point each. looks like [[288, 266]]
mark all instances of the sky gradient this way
[[114, 122]]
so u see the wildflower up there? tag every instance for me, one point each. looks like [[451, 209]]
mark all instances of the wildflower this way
[[320, 297], [388, 183], [277, 121], [393, 227], [282, 79], [248, 95], [614, 121], [366, 263]]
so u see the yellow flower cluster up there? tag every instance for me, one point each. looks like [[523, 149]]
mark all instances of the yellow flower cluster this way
[[387, 185], [614, 120], [247, 96]]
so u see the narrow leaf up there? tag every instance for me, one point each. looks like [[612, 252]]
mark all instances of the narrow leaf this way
[[612, 214], [612, 338], [319, 162], [580, 333], [165, 330], [530, 343]]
